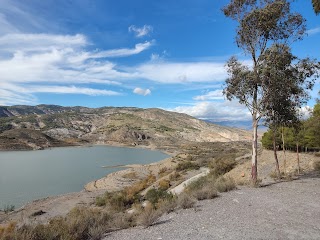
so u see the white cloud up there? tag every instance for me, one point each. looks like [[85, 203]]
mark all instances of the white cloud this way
[[124, 52], [216, 111], [71, 90], [39, 62], [40, 42], [182, 72], [313, 31], [141, 91], [212, 95], [141, 32]]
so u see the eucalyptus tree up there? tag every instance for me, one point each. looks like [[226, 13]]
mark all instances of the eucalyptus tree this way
[[316, 6], [260, 24], [286, 81]]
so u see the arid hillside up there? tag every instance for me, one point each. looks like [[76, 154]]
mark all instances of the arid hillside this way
[[58, 125]]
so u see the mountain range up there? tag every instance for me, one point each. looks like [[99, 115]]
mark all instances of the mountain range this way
[[42, 126]]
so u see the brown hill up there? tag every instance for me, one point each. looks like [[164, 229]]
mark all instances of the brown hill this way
[[127, 126]]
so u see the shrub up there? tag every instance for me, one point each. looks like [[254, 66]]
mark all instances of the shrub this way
[[197, 184], [122, 221], [163, 170], [174, 176], [7, 231], [164, 184], [100, 201], [186, 201], [167, 205], [188, 165], [122, 200], [139, 186], [154, 195], [222, 165], [8, 208], [149, 216], [207, 192], [225, 184], [274, 175], [316, 165], [119, 201], [130, 175]]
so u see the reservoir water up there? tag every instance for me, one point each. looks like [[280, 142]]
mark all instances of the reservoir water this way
[[30, 175]]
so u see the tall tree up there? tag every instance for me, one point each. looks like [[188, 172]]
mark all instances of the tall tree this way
[[260, 24], [316, 6], [286, 81]]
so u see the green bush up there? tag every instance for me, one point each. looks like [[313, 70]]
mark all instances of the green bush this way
[[154, 195]]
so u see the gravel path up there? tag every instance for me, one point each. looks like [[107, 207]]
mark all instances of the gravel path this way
[[287, 210]]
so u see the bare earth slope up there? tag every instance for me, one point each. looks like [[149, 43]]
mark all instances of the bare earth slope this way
[[287, 210], [153, 128]]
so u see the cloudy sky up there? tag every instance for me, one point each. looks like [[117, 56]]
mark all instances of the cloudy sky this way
[[142, 53]]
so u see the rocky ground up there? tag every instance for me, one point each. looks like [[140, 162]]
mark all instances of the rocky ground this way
[[276, 210], [286, 210]]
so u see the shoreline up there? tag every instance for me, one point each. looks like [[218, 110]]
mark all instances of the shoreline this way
[[43, 203]]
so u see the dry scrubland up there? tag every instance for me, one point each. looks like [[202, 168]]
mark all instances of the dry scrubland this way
[[142, 199]]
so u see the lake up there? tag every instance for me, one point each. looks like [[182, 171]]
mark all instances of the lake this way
[[30, 175]]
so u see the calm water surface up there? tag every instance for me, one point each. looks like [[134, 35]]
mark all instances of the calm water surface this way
[[29, 175]]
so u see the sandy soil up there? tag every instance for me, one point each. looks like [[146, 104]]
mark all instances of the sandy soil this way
[[286, 210], [116, 181], [50, 207], [266, 165]]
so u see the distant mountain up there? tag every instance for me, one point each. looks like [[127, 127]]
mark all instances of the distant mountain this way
[[20, 126], [247, 125]]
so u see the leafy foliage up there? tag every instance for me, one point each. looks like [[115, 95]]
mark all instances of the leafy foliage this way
[[306, 135], [265, 28]]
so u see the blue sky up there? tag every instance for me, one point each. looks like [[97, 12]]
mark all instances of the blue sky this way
[[143, 53]]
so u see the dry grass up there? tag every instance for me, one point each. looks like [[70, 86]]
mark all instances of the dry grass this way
[[316, 166], [167, 205], [131, 175], [223, 164], [207, 192], [224, 184], [186, 201], [175, 176], [187, 165], [124, 199], [164, 184], [149, 216]]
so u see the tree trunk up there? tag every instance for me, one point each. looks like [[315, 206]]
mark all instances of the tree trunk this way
[[275, 154], [284, 152], [254, 169], [298, 159]]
